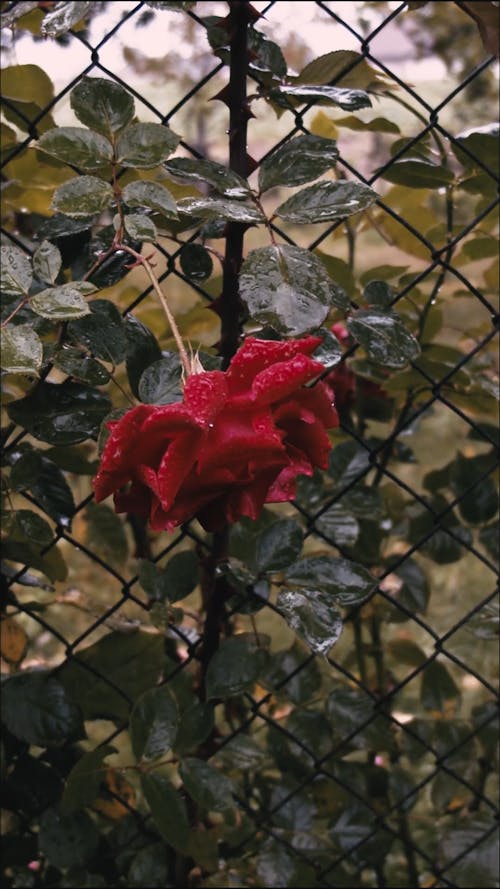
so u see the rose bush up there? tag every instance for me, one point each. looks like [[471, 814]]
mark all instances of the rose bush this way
[[238, 439]]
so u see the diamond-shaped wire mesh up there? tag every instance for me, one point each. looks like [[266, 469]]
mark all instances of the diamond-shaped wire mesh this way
[[382, 702]]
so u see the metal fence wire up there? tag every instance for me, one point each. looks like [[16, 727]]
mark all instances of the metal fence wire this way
[[391, 821]]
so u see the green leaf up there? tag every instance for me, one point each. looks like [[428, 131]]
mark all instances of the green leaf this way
[[384, 337], [24, 524], [153, 724], [339, 272], [326, 202], [102, 105], [293, 675], [482, 143], [142, 350], [37, 709], [236, 665], [151, 195], [278, 545], [63, 17], [339, 525], [67, 840], [102, 331], [200, 172], [432, 536], [50, 563], [345, 67], [298, 161], [27, 83], [15, 272], [145, 145], [84, 780], [346, 582], [265, 56], [61, 414], [438, 689], [348, 709], [59, 303], [47, 262], [22, 8], [479, 504], [47, 484], [21, 349], [176, 581], [215, 208], [106, 534], [288, 288], [349, 100], [414, 592], [77, 146], [121, 667], [469, 850], [376, 125], [485, 623], [240, 754], [354, 833], [160, 383], [329, 352], [206, 786], [140, 227], [195, 725], [82, 367], [84, 196], [378, 294], [313, 616], [417, 173], [196, 262], [167, 808]]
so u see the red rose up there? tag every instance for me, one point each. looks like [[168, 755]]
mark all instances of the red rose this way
[[238, 439]]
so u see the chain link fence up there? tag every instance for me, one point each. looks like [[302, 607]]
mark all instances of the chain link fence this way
[[380, 700]]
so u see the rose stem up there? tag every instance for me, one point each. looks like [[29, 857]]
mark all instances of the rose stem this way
[[186, 364]]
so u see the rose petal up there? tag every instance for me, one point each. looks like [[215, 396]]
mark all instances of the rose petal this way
[[256, 355]]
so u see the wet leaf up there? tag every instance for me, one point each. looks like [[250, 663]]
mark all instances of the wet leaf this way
[[236, 665], [82, 367], [349, 100], [346, 582], [38, 710], [298, 161], [288, 288], [384, 337], [60, 303], [160, 383], [206, 786], [61, 414], [200, 172], [215, 208], [84, 196], [142, 350], [145, 145], [196, 262], [417, 173], [313, 616], [140, 227], [63, 17], [167, 808], [47, 262], [152, 195], [326, 202], [153, 724], [15, 272], [102, 105], [77, 146], [278, 545], [21, 349], [102, 331]]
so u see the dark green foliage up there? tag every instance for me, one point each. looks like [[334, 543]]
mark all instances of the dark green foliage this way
[[304, 699]]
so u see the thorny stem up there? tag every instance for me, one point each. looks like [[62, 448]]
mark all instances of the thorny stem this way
[[142, 260]]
